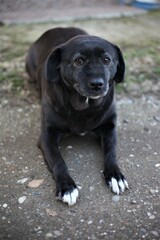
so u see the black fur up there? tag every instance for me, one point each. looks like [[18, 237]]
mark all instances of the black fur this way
[[77, 73]]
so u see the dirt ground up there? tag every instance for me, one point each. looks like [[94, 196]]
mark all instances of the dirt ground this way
[[30, 212]]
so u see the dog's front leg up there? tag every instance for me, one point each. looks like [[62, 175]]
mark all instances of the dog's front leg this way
[[112, 173], [66, 188]]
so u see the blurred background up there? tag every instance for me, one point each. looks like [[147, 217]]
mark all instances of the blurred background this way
[[133, 25]]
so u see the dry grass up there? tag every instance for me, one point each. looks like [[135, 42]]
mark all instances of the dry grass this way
[[137, 36]]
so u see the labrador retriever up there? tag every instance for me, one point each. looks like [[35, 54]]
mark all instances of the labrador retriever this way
[[76, 74]]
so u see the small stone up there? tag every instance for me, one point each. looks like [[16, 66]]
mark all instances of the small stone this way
[[22, 199], [57, 233], [19, 110], [33, 106], [133, 202], [134, 210], [152, 191], [91, 188], [5, 102], [156, 118], [151, 217], [116, 198], [129, 211], [157, 165], [80, 156], [21, 181], [143, 230], [155, 233], [37, 229], [49, 235], [103, 234], [126, 121], [90, 222], [131, 155], [5, 205]]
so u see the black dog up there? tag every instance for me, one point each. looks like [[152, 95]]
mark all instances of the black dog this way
[[77, 73]]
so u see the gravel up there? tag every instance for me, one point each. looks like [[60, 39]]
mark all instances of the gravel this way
[[35, 213]]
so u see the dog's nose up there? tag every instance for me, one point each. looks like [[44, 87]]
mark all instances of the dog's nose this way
[[96, 84]]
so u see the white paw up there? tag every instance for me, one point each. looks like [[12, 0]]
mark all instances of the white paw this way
[[71, 197], [118, 186]]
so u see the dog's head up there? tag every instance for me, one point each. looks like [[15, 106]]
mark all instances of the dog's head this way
[[86, 63]]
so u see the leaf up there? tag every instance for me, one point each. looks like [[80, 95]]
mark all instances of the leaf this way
[[51, 212], [35, 183]]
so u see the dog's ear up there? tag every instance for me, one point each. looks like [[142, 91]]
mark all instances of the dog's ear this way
[[52, 63], [119, 76]]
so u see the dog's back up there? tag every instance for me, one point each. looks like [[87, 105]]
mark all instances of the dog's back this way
[[49, 40]]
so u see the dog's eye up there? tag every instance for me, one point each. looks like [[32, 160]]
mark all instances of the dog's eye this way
[[106, 60], [79, 61]]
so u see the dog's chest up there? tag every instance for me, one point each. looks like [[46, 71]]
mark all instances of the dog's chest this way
[[80, 123]]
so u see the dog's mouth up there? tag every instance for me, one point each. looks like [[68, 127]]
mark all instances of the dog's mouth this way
[[91, 94]]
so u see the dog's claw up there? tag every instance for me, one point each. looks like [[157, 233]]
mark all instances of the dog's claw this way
[[114, 186], [118, 186], [126, 184]]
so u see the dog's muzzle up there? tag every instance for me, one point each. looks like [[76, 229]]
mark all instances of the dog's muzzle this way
[[94, 89]]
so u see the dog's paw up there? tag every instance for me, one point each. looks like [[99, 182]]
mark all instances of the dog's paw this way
[[69, 197], [116, 181], [67, 190]]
